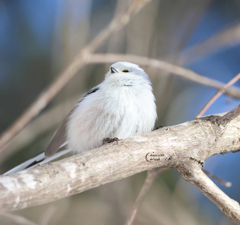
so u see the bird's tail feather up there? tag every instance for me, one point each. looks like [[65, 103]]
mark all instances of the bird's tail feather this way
[[37, 160]]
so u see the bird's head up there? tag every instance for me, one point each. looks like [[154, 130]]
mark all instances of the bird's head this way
[[126, 69]]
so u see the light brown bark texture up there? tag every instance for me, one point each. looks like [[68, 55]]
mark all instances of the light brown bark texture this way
[[183, 147]]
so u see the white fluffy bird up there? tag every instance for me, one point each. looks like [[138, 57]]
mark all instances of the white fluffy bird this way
[[121, 106]]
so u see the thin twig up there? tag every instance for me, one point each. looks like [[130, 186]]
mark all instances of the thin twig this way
[[81, 59], [221, 181], [177, 70], [151, 176], [217, 95]]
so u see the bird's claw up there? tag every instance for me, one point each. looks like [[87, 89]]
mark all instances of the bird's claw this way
[[110, 140]]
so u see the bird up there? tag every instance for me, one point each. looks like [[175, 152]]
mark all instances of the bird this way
[[122, 106]]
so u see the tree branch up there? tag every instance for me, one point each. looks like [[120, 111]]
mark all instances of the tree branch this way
[[193, 174], [183, 147], [158, 64], [217, 95]]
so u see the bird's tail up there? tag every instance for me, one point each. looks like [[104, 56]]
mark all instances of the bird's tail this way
[[37, 160]]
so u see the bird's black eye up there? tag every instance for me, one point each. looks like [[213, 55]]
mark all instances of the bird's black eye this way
[[125, 71], [113, 70]]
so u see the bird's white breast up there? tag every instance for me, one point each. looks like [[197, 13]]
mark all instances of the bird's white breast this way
[[120, 108]]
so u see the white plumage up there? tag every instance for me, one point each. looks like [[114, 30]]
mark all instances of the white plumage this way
[[121, 106]]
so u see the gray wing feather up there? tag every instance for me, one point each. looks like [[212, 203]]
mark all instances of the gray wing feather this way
[[58, 139]]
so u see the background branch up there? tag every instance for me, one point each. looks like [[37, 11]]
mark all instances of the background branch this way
[[176, 70], [151, 176], [181, 147], [217, 95], [221, 181]]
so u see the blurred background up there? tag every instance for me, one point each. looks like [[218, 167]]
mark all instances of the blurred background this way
[[38, 39]]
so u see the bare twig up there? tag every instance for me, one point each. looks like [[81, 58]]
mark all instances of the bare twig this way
[[221, 181], [228, 37], [177, 70], [183, 147], [81, 59], [17, 219], [217, 95], [151, 176]]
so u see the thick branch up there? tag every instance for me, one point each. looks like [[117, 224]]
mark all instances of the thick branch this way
[[174, 147]]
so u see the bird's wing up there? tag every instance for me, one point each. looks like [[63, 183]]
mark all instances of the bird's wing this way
[[59, 138]]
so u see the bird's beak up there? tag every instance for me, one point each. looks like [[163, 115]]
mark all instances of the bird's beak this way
[[113, 70]]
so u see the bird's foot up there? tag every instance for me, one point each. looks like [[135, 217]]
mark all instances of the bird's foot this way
[[110, 140], [158, 127]]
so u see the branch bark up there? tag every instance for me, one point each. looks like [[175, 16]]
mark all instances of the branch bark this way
[[183, 147]]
